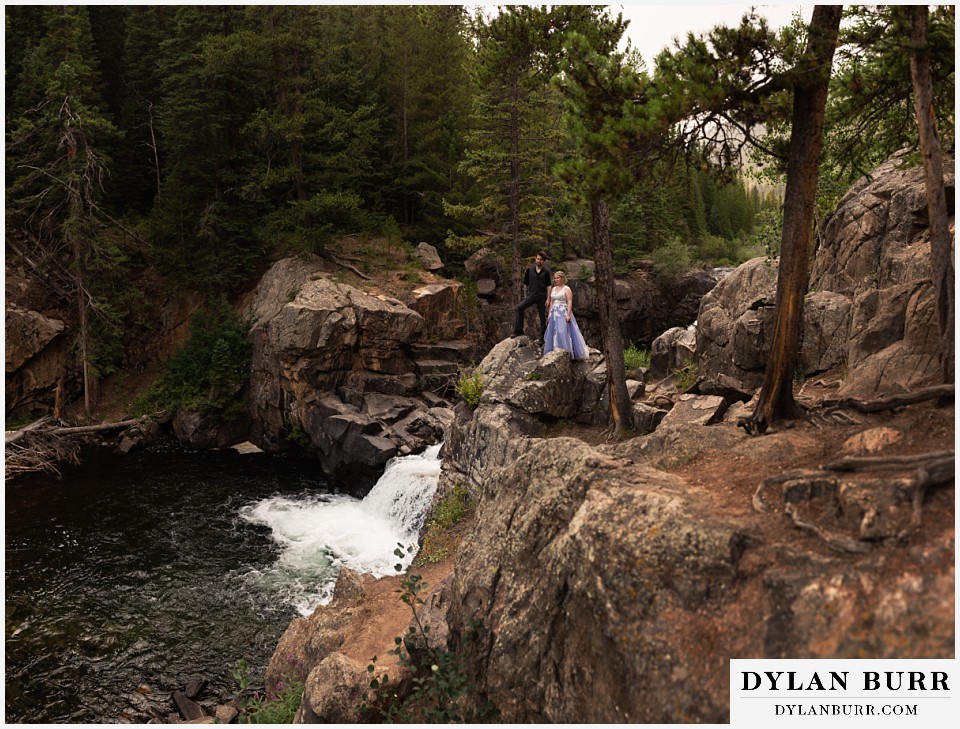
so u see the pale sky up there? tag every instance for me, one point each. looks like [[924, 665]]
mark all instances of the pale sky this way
[[654, 25]]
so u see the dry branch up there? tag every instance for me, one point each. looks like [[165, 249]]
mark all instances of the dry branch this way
[[41, 446]]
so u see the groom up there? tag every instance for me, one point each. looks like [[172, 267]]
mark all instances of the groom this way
[[538, 280]]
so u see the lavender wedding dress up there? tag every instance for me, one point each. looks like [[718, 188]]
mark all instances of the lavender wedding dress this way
[[563, 334]]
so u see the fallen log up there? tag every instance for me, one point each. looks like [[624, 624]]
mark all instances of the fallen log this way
[[12, 436], [42, 446]]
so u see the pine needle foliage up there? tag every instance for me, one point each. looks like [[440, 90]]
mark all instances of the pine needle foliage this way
[[208, 372]]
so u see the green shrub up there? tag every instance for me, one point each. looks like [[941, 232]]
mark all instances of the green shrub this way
[[470, 387], [278, 706], [767, 233], [448, 511], [686, 376], [205, 374], [453, 507], [635, 358], [672, 260]]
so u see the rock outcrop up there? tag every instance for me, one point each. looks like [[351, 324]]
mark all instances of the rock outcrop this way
[[341, 370], [871, 308], [37, 353], [596, 588], [876, 253]]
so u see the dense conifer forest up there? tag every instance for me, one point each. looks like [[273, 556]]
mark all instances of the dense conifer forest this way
[[197, 143]]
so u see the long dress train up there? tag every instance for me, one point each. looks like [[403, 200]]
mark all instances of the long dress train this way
[[563, 334]]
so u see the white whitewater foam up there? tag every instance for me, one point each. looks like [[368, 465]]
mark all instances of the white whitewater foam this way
[[320, 534]]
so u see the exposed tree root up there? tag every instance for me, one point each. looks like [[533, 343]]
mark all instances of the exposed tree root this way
[[923, 471], [340, 262], [889, 403]]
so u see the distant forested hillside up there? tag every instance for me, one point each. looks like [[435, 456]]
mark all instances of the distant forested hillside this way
[[200, 142]]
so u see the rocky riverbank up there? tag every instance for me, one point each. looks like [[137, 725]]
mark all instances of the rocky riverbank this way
[[613, 582]]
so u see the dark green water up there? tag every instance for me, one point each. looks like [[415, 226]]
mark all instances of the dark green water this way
[[133, 572]]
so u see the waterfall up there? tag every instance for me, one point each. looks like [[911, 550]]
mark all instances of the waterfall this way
[[320, 533]]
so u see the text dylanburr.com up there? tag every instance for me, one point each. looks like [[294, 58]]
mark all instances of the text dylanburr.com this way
[[818, 693]]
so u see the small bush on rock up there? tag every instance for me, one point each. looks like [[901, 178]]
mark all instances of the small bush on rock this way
[[686, 376], [470, 387], [635, 358], [448, 511], [278, 706]]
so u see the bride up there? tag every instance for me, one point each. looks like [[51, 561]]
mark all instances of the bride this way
[[562, 330]]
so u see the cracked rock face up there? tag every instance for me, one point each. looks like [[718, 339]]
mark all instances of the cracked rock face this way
[[567, 611], [870, 309], [37, 356], [334, 364]]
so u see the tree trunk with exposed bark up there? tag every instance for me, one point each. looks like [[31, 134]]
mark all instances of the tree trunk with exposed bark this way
[[940, 238], [620, 409], [809, 101]]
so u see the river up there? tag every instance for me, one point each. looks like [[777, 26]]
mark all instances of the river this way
[[133, 575]]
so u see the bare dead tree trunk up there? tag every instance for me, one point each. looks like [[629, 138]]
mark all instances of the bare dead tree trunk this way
[[809, 101], [82, 321], [620, 409], [940, 243], [153, 147]]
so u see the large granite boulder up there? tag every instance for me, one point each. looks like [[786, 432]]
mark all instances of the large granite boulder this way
[[438, 304], [870, 311], [875, 251], [596, 588], [429, 257], [485, 263], [570, 608], [321, 350], [734, 330], [551, 386], [37, 354], [672, 350]]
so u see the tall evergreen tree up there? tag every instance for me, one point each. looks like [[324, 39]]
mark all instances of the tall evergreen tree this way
[[870, 112], [428, 92], [514, 131], [56, 149], [940, 236], [606, 124], [206, 230], [139, 167]]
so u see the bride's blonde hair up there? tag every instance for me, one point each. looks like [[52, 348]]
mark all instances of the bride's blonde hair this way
[[562, 275]]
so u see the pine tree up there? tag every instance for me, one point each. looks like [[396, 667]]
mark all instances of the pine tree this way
[[138, 169], [205, 228], [870, 112], [56, 154], [606, 123], [812, 78], [940, 236], [428, 92]]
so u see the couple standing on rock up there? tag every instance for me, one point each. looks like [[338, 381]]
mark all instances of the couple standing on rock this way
[[558, 325]]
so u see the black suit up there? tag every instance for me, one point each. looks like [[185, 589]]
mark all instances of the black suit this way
[[537, 283]]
